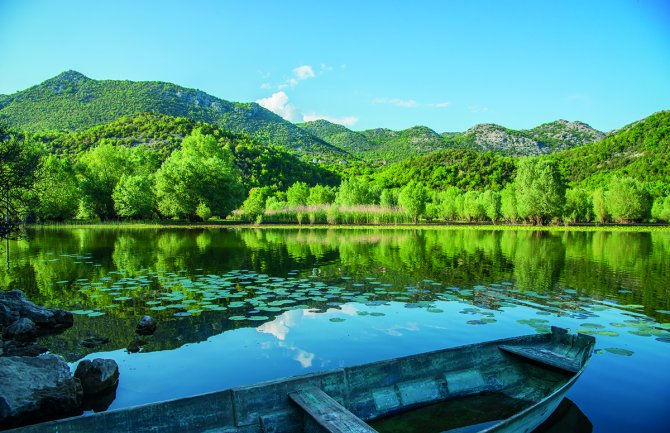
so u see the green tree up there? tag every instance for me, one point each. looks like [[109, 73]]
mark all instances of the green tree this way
[[628, 200], [472, 207], [19, 159], [201, 172], [255, 203], [508, 204], [355, 191], [57, 190], [600, 206], [491, 203], [661, 209], [451, 203], [319, 194], [134, 197], [540, 190], [412, 199], [388, 198], [297, 194], [578, 206]]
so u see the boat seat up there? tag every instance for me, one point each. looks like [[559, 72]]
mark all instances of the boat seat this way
[[328, 413], [544, 356]]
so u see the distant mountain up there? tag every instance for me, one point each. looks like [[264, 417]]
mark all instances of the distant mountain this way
[[72, 101], [391, 146], [640, 150]]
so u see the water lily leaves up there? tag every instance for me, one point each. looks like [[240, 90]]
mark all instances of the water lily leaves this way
[[337, 319], [96, 314], [619, 351]]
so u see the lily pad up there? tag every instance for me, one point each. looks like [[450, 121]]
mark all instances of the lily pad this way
[[337, 319], [619, 351]]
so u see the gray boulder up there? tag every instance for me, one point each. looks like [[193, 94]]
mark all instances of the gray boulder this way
[[97, 376], [14, 305], [37, 389], [23, 330], [146, 326], [17, 348]]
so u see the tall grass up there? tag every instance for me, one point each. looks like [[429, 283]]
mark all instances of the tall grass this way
[[333, 215]]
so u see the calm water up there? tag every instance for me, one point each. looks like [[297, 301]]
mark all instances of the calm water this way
[[239, 306]]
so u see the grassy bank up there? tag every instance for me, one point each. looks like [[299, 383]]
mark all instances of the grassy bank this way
[[432, 226]]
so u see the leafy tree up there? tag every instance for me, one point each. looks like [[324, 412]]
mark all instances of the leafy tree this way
[[491, 203], [203, 211], [452, 203], [412, 199], [19, 159], [201, 173], [661, 209], [540, 190], [472, 207], [628, 200], [600, 206], [275, 203], [388, 198], [297, 194], [57, 190], [508, 204], [134, 196], [355, 191], [578, 206], [255, 203], [319, 194]]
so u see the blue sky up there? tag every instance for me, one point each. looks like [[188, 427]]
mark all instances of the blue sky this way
[[446, 64]]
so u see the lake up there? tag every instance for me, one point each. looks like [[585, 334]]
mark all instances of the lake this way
[[238, 306]]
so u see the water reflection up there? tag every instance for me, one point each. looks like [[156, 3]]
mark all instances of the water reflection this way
[[269, 303]]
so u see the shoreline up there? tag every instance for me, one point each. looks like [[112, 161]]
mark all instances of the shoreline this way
[[426, 226]]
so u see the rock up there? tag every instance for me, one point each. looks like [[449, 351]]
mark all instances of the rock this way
[[146, 326], [14, 305], [94, 341], [16, 348], [37, 389], [97, 376], [23, 330]]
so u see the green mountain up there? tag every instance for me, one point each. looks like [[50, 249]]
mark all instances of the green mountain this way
[[392, 146], [640, 150], [261, 165], [72, 101]]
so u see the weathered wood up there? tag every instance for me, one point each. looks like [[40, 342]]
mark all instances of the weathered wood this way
[[544, 356], [328, 413]]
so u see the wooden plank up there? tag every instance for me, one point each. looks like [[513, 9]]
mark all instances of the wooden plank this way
[[544, 356], [327, 412]]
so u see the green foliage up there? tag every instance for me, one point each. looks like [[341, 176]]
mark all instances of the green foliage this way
[[627, 200], [661, 209], [255, 203], [540, 190], [357, 191], [412, 199], [508, 204], [319, 194], [389, 198], [578, 206], [297, 194], [472, 207], [464, 169], [57, 191], [203, 211], [134, 197], [600, 206], [491, 202], [201, 173]]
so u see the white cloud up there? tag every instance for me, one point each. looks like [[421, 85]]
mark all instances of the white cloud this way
[[326, 68], [346, 121], [407, 103], [440, 104], [278, 104], [266, 86], [304, 72]]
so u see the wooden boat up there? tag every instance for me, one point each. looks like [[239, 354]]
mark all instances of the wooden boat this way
[[510, 385]]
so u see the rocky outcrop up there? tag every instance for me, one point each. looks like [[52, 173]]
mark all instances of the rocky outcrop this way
[[23, 330], [34, 389], [97, 376], [15, 306]]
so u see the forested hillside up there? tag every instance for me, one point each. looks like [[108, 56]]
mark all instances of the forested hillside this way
[[72, 101]]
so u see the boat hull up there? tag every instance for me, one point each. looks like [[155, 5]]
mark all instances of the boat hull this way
[[369, 391]]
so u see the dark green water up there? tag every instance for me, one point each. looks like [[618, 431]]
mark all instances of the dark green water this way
[[239, 306]]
